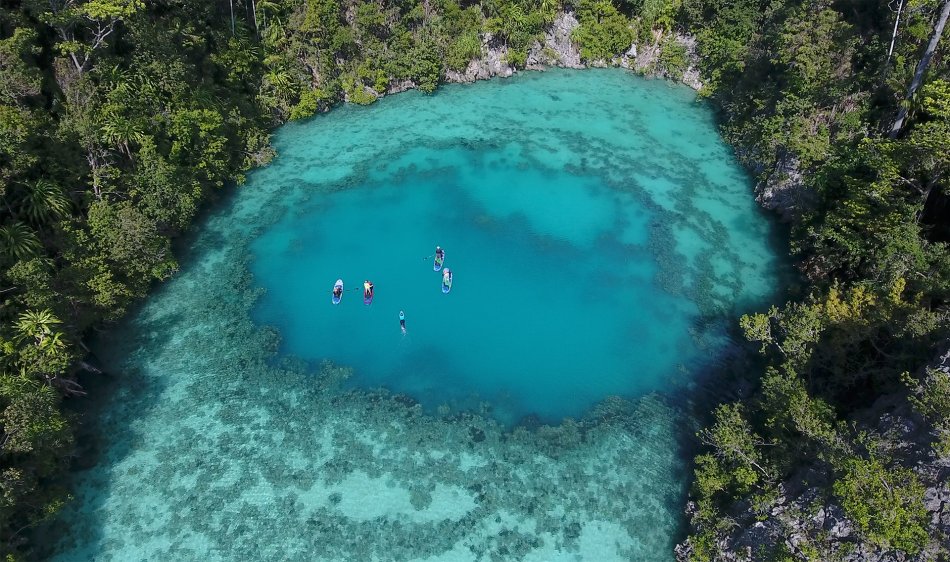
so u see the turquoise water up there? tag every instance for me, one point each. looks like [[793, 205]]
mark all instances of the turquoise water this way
[[589, 232], [602, 237]]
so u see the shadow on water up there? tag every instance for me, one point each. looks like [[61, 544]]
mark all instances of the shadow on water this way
[[100, 439], [99, 442], [735, 374]]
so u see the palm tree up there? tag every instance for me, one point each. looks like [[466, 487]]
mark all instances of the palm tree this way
[[549, 9], [44, 202], [18, 241], [121, 131], [38, 327], [265, 7]]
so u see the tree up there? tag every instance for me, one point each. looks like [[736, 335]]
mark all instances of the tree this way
[[927, 159], [18, 79], [84, 26], [120, 131], [733, 440], [930, 396], [44, 202], [886, 504], [921, 69], [603, 32]]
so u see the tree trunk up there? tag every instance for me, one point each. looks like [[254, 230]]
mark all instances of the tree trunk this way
[[921, 69], [897, 21]]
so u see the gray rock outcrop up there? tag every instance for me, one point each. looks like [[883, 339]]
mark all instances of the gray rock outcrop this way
[[558, 48], [784, 190]]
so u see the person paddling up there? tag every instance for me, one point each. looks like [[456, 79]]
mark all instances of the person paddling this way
[[402, 321], [367, 289], [338, 291], [439, 258], [446, 280]]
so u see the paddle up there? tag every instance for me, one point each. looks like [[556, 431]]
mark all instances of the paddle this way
[[351, 289]]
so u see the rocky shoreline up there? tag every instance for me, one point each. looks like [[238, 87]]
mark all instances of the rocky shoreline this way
[[559, 51], [805, 519], [782, 190]]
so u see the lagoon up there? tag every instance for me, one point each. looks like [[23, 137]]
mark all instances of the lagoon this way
[[596, 232], [603, 239]]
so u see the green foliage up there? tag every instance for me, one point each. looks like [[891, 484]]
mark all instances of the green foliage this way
[[18, 78], [18, 241], [931, 398], [355, 91], [426, 69], [673, 58], [37, 275], [311, 101], [656, 15], [109, 9], [463, 50], [797, 418], [885, 504], [321, 20], [37, 438], [516, 58], [199, 142], [734, 443], [519, 24], [44, 202], [816, 49], [131, 242], [603, 33]]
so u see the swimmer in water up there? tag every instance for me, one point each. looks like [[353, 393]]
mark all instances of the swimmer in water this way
[[402, 321]]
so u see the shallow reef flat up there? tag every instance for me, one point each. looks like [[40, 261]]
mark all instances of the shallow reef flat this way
[[210, 452]]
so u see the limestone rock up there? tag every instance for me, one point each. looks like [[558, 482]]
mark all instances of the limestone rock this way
[[401, 86], [558, 49], [784, 190]]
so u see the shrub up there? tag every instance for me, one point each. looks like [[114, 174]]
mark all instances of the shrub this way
[[673, 59], [603, 32], [886, 505]]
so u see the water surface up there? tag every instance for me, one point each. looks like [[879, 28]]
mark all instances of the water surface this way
[[593, 227], [602, 235]]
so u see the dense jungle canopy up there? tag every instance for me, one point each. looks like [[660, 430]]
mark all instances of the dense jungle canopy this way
[[121, 119]]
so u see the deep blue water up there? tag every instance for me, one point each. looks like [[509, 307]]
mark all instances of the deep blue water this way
[[591, 226]]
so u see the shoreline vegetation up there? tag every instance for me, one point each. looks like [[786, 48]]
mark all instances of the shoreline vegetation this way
[[120, 120]]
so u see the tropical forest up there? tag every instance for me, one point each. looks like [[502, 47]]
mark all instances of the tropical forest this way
[[703, 255]]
